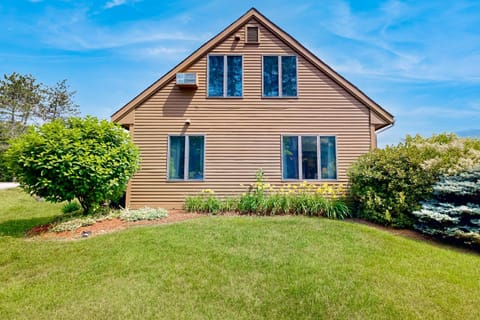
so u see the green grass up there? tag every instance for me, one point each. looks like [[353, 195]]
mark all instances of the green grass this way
[[229, 268]]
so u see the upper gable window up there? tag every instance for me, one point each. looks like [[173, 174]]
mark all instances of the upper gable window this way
[[279, 76], [225, 76], [251, 34]]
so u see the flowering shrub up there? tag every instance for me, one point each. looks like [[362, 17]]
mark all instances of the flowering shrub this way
[[265, 199], [389, 184], [454, 211]]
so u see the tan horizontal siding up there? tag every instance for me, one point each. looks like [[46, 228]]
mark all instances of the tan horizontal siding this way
[[242, 135]]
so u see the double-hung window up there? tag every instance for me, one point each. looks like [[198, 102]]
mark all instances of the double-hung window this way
[[186, 155], [279, 76], [225, 77], [309, 157]]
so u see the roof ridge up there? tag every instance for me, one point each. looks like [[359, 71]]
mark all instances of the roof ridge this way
[[283, 36]]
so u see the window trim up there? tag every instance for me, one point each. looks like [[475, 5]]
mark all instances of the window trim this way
[[225, 76], [319, 154], [186, 157], [280, 73]]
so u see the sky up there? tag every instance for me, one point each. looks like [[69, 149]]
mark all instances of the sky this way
[[418, 59]]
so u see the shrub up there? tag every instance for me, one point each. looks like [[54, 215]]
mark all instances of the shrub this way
[[86, 159], [454, 211], [5, 174], [143, 214], [388, 184], [262, 199], [71, 206]]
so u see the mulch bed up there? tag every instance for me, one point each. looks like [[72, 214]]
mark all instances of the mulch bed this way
[[111, 225], [106, 226]]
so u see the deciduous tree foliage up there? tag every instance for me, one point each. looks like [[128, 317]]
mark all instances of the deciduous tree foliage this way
[[87, 159]]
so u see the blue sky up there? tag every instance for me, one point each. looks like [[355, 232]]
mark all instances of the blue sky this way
[[418, 59]]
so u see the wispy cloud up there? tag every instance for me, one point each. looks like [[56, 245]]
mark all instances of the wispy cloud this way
[[77, 32], [415, 41], [116, 3], [161, 51]]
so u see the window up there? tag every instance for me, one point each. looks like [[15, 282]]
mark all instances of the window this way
[[186, 156], [309, 157], [224, 76], [252, 35], [279, 76]]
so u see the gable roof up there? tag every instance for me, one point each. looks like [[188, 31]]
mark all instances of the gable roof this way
[[283, 36]]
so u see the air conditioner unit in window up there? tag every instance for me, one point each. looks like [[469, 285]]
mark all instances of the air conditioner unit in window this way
[[187, 80]]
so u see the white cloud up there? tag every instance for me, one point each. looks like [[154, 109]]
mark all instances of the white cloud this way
[[77, 32], [161, 51], [405, 40], [116, 3]]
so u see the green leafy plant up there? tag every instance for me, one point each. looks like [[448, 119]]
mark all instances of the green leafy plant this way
[[264, 199], [388, 184], [205, 202], [143, 214], [86, 159], [71, 206], [73, 224]]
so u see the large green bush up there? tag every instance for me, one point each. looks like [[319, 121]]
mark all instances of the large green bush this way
[[388, 184], [86, 159], [454, 211]]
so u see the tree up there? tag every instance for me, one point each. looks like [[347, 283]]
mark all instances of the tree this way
[[57, 103], [20, 96], [24, 101], [87, 159]]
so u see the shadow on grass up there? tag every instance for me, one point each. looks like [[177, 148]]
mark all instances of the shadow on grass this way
[[19, 228]]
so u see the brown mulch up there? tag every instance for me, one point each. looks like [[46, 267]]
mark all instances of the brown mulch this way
[[106, 226], [111, 225]]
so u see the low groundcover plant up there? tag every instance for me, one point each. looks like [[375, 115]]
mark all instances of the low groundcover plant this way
[[75, 221]]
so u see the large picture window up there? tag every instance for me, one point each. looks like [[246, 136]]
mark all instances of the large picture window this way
[[309, 157], [279, 76], [186, 156], [224, 76]]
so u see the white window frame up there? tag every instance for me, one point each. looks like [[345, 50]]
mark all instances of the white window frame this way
[[225, 76], [186, 156], [319, 154], [280, 88]]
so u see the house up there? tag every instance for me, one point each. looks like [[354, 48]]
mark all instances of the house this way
[[251, 97]]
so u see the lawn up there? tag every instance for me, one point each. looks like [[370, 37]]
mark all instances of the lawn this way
[[229, 268]]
